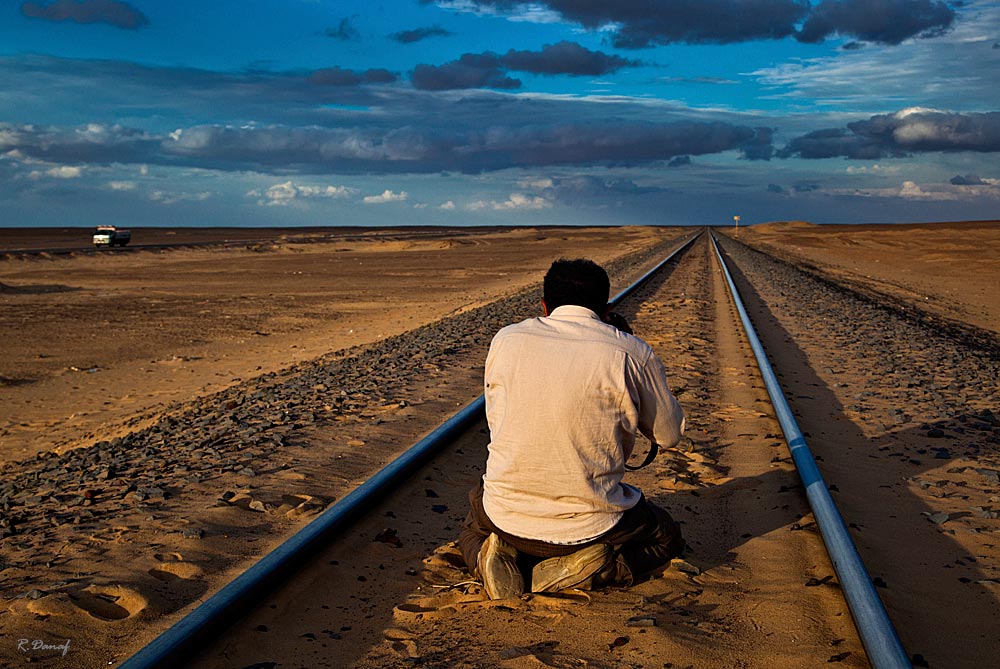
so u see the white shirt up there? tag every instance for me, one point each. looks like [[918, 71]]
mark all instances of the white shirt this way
[[565, 395]]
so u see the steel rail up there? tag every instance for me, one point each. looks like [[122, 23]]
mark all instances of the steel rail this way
[[885, 651], [173, 644]]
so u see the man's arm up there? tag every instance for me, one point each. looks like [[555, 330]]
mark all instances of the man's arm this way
[[661, 418]]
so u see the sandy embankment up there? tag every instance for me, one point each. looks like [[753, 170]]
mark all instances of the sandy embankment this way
[[947, 269]]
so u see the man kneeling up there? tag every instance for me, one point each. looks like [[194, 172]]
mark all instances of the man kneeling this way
[[565, 395]]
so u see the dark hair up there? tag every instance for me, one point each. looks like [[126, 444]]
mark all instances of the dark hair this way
[[581, 282]]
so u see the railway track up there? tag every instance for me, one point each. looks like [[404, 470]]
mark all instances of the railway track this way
[[900, 413], [758, 586]]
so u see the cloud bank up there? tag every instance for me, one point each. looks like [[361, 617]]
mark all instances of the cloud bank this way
[[410, 148], [492, 148], [489, 70], [402, 149], [111, 12], [881, 21], [643, 23], [896, 135], [419, 34], [338, 76]]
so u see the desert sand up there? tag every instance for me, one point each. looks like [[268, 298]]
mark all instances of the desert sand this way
[[946, 269], [146, 358]]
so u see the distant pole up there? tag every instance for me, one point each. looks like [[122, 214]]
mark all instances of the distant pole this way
[[737, 219]]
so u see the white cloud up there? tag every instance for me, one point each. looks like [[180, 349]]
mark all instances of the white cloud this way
[[386, 196], [516, 201], [873, 169], [60, 172], [911, 190], [122, 185], [522, 201], [933, 192], [285, 193], [9, 138], [947, 192], [536, 184], [164, 197], [447, 206]]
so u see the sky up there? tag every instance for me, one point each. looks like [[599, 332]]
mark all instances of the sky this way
[[497, 112]]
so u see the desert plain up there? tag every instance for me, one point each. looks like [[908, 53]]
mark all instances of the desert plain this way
[[173, 410]]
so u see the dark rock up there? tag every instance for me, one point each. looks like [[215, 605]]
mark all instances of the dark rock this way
[[990, 474], [641, 621], [388, 536]]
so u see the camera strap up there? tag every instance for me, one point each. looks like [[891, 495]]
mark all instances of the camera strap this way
[[650, 456]]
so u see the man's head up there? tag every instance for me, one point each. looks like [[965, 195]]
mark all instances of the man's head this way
[[580, 282]]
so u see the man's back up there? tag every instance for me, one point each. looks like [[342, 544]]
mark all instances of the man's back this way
[[565, 395]]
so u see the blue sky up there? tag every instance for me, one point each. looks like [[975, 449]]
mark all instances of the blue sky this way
[[482, 112]]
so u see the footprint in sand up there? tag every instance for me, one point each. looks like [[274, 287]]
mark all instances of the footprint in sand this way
[[171, 571], [110, 602], [104, 602], [54, 604], [172, 566]]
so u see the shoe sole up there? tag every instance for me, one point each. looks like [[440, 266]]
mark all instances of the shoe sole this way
[[571, 571], [498, 569]]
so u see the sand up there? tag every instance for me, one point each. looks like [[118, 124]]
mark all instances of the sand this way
[[100, 345], [947, 269]]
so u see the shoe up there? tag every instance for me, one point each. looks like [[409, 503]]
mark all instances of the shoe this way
[[585, 569], [497, 567]]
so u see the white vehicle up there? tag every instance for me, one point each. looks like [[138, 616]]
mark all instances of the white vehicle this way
[[109, 235]]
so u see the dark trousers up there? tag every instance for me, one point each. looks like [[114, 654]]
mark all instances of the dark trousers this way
[[644, 540]]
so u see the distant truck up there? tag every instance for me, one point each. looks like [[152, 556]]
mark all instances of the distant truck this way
[[109, 235]]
